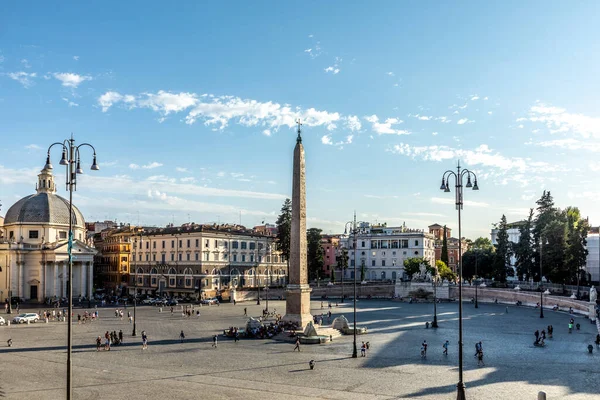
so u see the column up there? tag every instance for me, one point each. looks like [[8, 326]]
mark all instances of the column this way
[[21, 294], [63, 288], [42, 292], [90, 276], [81, 279], [54, 279]]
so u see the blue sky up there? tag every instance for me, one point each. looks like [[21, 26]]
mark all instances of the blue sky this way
[[191, 107]]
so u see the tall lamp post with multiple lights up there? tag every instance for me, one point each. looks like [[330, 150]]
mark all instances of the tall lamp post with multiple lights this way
[[459, 175], [353, 230], [541, 288], [71, 159], [135, 294], [476, 282]]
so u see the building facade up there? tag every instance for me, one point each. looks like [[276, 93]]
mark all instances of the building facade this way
[[34, 247], [193, 260], [329, 244], [454, 252], [381, 251], [111, 265]]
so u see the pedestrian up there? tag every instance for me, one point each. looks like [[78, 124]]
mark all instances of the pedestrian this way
[[236, 337], [321, 305], [144, 340], [445, 346], [98, 343], [245, 311], [550, 329], [424, 347], [297, 345], [120, 336], [214, 341], [570, 327], [181, 336], [78, 319], [480, 359], [598, 341], [363, 350], [234, 303]]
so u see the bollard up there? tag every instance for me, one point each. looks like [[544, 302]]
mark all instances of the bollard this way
[[8, 323], [541, 395], [27, 322]]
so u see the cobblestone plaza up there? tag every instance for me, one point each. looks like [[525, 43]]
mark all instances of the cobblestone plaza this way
[[34, 367]]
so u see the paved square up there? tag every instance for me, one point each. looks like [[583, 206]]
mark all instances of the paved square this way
[[34, 368]]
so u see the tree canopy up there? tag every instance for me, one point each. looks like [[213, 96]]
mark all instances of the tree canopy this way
[[411, 265], [284, 228]]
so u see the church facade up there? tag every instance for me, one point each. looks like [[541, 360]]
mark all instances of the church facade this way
[[34, 247]]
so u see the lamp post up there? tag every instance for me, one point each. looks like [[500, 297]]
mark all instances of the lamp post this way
[[434, 324], [541, 290], [71, 159], [353, 230], [458, 178], [135, 293]]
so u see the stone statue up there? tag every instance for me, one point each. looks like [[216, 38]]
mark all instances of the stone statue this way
[[593, 295], [422, 269], [423, 275]]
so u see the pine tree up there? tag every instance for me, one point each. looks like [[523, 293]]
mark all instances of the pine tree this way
[[503, 252], [284, 229], [523, 249], [576, 252], [444, 255], [314, 253]]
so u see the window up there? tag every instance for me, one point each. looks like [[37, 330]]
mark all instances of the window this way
[[416, 253], [62, 234], [196, 257], [207, 243], [404, 243], [188, 257], [180, 243], [416, 242], [147, 245], [147, 257], [188, 282], [33, 234], [163, 244], [362, 244], [234, 245], [153, 245], [404, 252], [352, 263], [251, 257], [393, 253], [140, 258], [153, 257], [216, 243], [163, 258], [180, 256], [451, 259], [372, 263], [171, 281], [383, 253], [206, 255], [153, 281], [244, 245], [11, 235], [123, 259], [188, 242], [172, 257], [252, 245], [383, 263], [235, 257], [243, 258], [373, 254], [172, 243], [197, 242]]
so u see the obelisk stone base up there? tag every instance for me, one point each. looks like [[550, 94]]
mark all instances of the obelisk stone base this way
[[298, 305]]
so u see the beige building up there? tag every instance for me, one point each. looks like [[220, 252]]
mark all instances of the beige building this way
[[34, 243], [197, 260]]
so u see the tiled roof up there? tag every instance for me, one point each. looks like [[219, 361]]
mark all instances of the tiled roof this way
[[43, 208]]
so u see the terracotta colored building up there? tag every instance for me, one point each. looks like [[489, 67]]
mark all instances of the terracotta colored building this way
[[329, 243], [437, 231]]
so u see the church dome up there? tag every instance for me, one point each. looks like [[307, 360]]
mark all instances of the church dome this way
[[44, 207]]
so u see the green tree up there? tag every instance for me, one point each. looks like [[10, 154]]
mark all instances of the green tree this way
[[503, 252], [411, 265], [444, 271], [342, 260], [444, 255], [524, 250], [478, 262], [481, 243], [284, 229], [554, 251], [576, 252], [314, 253]]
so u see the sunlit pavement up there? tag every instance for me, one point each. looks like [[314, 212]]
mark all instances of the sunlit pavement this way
[[34, 368]]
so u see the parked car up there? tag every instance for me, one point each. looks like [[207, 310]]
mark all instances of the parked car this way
[[23, 318], [209, 301], [159, 302], [171, 302], [147, 300], [2, 321]]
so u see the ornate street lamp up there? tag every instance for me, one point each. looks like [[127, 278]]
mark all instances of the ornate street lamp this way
[[71, 159], [353, 230], [476, 282], [459, 175]]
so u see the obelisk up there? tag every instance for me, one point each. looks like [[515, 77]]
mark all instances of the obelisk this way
[[298, 290]]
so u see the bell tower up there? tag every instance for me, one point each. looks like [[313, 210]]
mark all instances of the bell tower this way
[[45, 183]]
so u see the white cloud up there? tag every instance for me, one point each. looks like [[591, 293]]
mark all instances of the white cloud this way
[[266, 132], [490, 112], [474, 97], [22, 77], [451, 200], [385, 128], [391, 74], [70, 103], [485, 98], [463, 121], [188, 179], [76, 58], [25, 63], [443, 119], [495, 165], [434, 133], [558, 120], [181, 169], [315, 51], [353, 123], [151, 165], [71, 80], [33, 147], [326, 139], [333, 69]]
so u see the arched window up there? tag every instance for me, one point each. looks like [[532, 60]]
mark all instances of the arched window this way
[[140, 271], [382, 274], [172, 271], [187, 271], [394, 276], [153, 271]]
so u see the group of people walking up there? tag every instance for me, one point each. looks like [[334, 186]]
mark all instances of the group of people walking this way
[[110, 338]]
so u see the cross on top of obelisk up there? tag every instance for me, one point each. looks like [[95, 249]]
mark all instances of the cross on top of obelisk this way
[[299, 139]]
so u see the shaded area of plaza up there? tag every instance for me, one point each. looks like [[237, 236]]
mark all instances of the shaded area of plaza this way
[[34, 367]]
